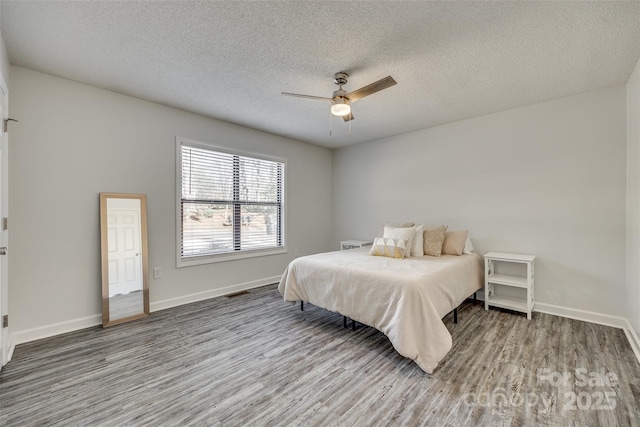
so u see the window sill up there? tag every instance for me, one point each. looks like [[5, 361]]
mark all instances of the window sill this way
[[212, 259]]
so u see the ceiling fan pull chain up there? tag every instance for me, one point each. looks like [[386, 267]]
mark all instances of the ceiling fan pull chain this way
[[330, 123]]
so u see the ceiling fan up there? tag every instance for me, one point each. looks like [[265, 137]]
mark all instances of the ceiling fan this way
[[341, 100]]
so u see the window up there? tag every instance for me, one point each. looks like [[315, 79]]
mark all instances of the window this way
[[231, 205]]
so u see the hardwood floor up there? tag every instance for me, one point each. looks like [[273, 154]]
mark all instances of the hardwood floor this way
[[256, 360]]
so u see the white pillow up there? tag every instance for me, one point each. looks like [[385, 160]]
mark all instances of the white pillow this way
[[401, 233], [418, 242], [394, 225], [468, 247]]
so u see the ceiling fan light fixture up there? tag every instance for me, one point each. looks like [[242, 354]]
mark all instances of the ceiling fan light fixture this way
[[340, 107]]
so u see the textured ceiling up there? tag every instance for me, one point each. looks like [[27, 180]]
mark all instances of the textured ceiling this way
[[231, 60]]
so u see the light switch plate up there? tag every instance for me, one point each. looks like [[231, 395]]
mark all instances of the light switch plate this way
[[157, 272]]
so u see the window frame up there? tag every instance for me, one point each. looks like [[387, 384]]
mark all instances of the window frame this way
[[235, 254]]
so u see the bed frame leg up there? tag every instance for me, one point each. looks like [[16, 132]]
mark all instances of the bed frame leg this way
[[475, 298], [455, 315], [353, 325], [301, 305], [344, 321]]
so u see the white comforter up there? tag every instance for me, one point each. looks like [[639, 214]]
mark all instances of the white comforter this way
[[403, 298]]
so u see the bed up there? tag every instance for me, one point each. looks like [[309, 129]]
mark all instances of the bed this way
[[405, 299]]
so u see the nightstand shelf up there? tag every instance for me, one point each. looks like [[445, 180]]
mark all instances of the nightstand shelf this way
[[504, 279], [513, 291], [511, 303]]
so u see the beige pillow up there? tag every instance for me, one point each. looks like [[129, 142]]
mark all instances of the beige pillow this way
[[401, 233], [454, 241], [392, 248], [433, 239]]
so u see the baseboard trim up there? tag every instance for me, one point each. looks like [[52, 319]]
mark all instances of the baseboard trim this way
[[593, 317], [12, 346], [634, 341], [34, 334], [21, 337], [213, 293], [584, 315]]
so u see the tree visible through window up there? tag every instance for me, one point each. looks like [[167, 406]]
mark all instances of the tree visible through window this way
[[230, 203]]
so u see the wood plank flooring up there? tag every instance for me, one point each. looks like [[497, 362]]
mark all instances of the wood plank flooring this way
[[254, 360]]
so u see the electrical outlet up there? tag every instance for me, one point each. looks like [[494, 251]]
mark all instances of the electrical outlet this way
[[157, 272]]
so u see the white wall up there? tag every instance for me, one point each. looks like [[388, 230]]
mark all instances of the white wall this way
[[62, 156], [633, 198], [546, 179], [4, 58]]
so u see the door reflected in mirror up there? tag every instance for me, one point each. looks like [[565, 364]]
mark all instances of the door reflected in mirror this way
[[123, 230]]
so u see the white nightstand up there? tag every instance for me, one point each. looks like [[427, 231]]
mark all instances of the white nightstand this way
[[512, 288], [352, 244]]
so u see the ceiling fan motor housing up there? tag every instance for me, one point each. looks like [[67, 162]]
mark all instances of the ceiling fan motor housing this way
[[340, 93], [340, 78]]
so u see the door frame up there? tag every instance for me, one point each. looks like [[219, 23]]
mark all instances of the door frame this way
[[6, 349]]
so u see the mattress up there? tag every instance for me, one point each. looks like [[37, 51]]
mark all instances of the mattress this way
[[403, 298]]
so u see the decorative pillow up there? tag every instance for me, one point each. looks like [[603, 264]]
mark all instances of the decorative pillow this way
[[392, 248], [468, 246], [417, 248], [401, 233], [395, 225], [433, 240], [399, 224], [454, 241]]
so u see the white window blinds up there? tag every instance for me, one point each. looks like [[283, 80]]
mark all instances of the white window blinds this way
[[229, 203]]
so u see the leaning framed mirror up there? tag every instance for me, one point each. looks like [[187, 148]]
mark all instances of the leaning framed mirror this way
[[123, 248]]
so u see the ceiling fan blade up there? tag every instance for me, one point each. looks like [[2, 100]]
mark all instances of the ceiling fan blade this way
[[348, 117], [322, 98], [371, 88]]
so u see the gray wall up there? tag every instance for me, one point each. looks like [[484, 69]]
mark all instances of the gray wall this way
[[633, 198], [75, 141], [546, 179]]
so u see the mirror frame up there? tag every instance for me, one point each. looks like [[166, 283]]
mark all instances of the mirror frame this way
[[104, 250]]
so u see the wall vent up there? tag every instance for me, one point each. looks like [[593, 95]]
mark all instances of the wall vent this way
[[237, 294]]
